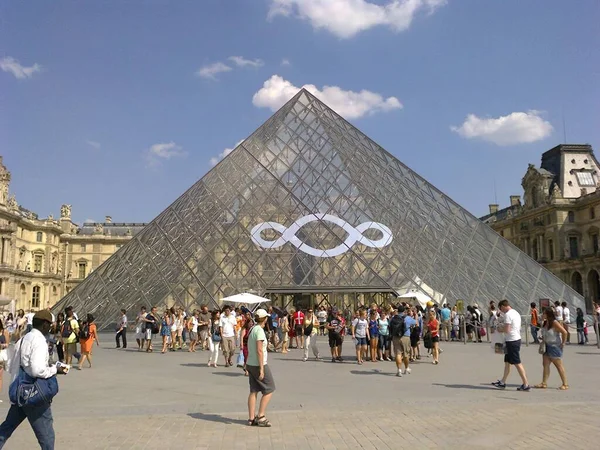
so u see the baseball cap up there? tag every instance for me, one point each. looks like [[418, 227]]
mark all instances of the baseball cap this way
[[260, 313], [44, 314]]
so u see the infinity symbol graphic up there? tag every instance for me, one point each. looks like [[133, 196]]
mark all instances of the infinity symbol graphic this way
[[289, 235]]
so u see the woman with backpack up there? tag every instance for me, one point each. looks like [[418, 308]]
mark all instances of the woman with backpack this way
[[87, 336]]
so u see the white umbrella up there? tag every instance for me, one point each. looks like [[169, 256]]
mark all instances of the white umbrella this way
[[247, 298], [421, 297]]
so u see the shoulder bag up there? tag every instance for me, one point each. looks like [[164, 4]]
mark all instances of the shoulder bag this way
[[26, 390]]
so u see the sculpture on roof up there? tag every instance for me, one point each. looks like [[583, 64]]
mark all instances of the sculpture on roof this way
[[98, 229], [65, 212], [12, 202], [556, 193]]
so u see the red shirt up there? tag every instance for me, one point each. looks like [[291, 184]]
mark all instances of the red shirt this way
[[298, 318], [433, 326]]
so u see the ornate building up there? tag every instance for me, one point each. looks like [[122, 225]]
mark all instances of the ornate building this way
[[42, 259], [559, 222]]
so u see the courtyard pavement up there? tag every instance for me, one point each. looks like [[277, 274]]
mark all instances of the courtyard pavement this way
[[132, 400]]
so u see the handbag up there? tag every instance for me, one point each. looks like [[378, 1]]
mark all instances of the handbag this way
[[542, 348], [482, 332], [499, 348], [240, 360]]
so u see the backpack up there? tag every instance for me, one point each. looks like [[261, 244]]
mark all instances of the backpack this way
[[84, 332], [67, 329], [397, 326]]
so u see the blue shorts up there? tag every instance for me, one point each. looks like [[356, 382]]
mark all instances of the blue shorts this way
[[553, 351], [361, 341]]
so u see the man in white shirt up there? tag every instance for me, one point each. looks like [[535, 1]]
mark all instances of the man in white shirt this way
[[122, 329], [512, 341], [558, 310], [31, 353], [227, 325], [566, 320]]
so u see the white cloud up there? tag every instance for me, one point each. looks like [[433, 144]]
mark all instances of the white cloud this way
[[214, 161], [163, 151], [349, 104], [94, 144], [89, 221], [240, 61], [212, 70], [285, 62], [11, 65], [514, 128], [345, 18]]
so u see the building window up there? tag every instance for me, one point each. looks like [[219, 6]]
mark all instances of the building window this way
[[595, 243], [502, 233], [35, 297], [550, 249], [81, 269], [39, 236], [83, 248], [592, 213], [585, 179], [37, 263], [571, 217], [573, 247], [118, 246]]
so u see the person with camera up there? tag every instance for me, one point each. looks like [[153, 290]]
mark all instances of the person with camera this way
[[29, 365]]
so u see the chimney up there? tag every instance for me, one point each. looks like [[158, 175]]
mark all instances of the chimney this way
[[515, 200], [493, 209], [108, 219]]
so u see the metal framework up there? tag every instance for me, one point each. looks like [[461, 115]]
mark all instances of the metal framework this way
[[308, 203]]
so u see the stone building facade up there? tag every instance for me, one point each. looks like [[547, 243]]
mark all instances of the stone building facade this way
[[558, 223], [41, 259]]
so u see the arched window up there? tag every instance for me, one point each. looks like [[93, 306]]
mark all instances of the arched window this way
[[39, 236], [571, 217], [35, 297]]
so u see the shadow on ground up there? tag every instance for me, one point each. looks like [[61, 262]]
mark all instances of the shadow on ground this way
[[482, 387], [216, 418], [374, 372]]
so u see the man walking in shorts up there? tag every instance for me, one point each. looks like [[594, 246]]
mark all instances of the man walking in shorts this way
[[259, 374], [512, 353]]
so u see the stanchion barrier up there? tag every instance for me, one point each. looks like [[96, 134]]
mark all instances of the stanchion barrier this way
[[596, 330], [527, 331], [487, 331], [464, 330]]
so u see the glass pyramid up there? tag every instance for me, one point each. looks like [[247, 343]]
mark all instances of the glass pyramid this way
[[309, 204]]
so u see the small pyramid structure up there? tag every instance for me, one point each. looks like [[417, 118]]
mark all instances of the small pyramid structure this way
[[309, 204]]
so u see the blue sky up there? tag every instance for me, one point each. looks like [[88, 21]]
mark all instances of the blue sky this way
[[116, 107]]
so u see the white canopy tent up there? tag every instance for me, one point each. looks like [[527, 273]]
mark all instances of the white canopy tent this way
[[416, 284], [253, 301], [419, 296]]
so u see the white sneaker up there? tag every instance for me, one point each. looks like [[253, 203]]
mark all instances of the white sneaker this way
[[304, 359], [407, 371], [399, 373]]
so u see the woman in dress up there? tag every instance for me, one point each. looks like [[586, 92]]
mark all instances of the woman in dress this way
[[4, 342], [214, 339], [10, 324], [374, 334], [415, 336], [554, 337], [285, 330], [165, 329], [87, 343]]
